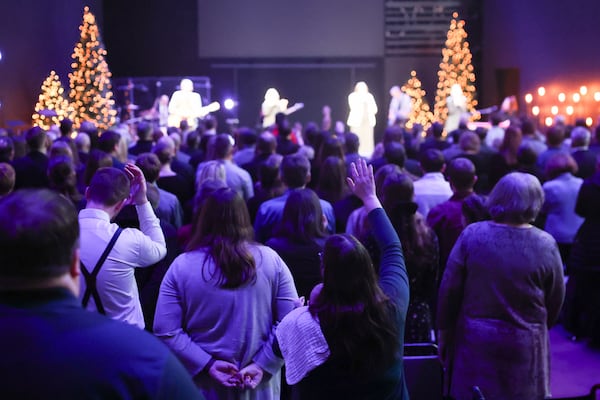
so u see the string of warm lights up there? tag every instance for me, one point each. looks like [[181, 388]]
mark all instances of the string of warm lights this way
[[420, 112], [90, 88], [52, 106], [554, 102], [455, 67]]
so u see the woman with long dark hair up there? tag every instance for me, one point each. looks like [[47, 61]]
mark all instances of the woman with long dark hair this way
[[220, 301], [421, 253], [348, 343], [301, 238]]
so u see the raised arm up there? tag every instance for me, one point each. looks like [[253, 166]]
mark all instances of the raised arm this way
[[393, 277]]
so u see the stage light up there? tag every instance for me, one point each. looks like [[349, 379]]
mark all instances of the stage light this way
[[541, 90], [0, 56], [229, 104], [576, 97], [535, 110], [562, 97], [597, 96], [569, 110], [548, 121], [554, 110], [583, 90], [589, 121], [528, 98]]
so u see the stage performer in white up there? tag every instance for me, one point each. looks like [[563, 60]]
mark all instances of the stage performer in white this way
[[457, 108], [185, 104], [272, 105], [400, 107], [361, 119]]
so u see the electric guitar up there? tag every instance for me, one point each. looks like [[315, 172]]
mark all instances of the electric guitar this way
[[175, 119]]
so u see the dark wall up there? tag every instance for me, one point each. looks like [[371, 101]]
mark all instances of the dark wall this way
[[545, 41], [35, 38]]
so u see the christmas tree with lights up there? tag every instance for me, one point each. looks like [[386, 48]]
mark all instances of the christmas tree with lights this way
[[420, 113], [52, 106], [455, 67], [91, 95]]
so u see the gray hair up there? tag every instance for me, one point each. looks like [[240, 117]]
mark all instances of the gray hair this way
[[517, 199], [580, 136]]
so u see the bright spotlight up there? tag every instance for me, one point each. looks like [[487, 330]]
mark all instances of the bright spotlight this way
[[0, 56], [229, 104]]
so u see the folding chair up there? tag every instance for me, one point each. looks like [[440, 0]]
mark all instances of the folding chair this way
[[423, 371]]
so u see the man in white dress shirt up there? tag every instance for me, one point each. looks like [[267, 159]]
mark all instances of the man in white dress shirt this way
[[113, 291], [432, 189]]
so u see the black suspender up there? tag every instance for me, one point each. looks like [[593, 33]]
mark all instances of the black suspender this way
[[90, 278]]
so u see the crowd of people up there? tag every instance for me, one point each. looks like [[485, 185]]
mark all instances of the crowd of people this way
[[248, 253]]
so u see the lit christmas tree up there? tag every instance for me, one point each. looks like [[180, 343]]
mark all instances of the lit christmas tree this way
[[455, 67], [421, 113], [91, 94], [52, 106]]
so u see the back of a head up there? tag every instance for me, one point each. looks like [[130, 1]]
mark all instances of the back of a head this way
[[144, 131], [108, 141], [224, 227], [246, 137], [526, 155], [580, 137], [295, 170], [512, 139], [35, 138], [516, 199], [205, 189], [164, 150], [83, 142], [60, 148], [302, 216], [393, 134], [150, 166], [469, 142], [559, 164], [96, 160], [352, 143], [66, 126], [432, 160], [332, 146], [461, 174], [7, 179], [332, 179], [555, 136], [382, 173], [39, 232], [397, 188], [348, 274], [437, 129], [223, 146], [268, 171], [224, 214], [527, 127], [61, 174], [7, 148], [394, 153], [211, 170], [108, 186], [266, 143]]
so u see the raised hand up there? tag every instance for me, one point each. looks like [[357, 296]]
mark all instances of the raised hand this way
[[137, 181], [251, 376], [362, 184], [226, 374]]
